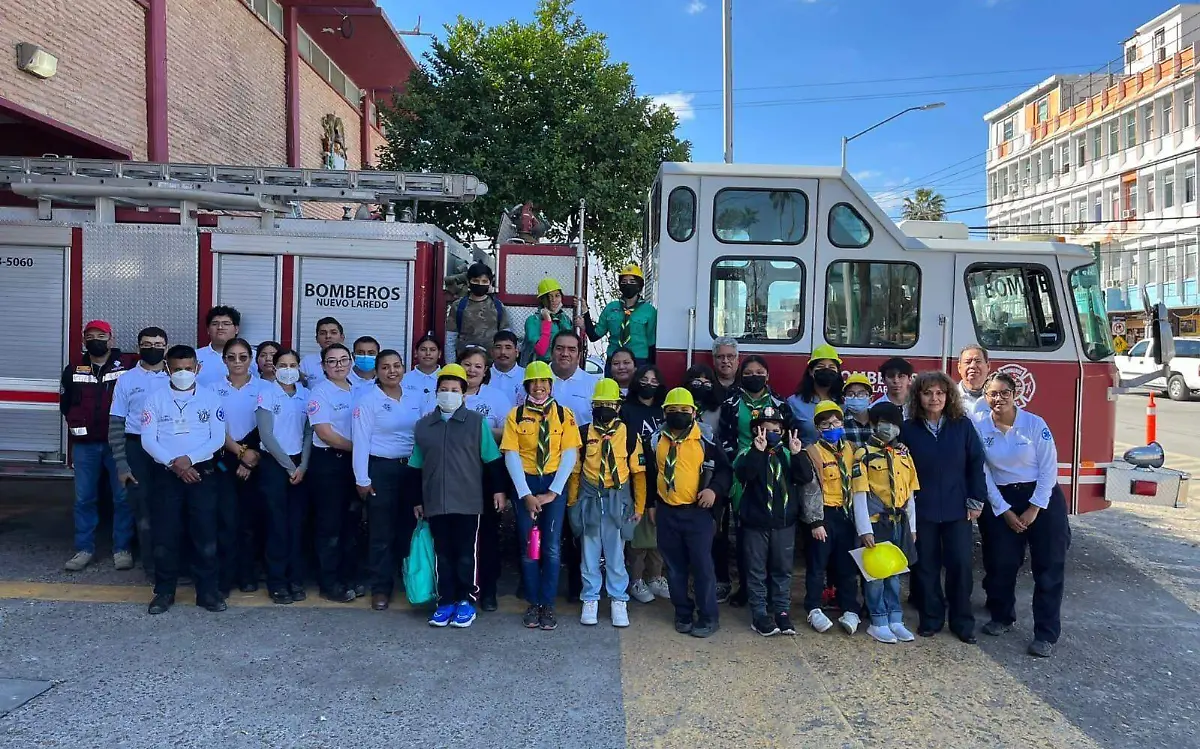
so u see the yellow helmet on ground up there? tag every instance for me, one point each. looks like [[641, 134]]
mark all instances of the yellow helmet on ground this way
[[632, 269], [824, 351], [538, 370], [858, 378], [546, 285], [825, 407], [453, 370], [680, 397], [607, 390]]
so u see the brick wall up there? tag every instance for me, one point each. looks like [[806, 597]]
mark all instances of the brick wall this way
[[376, 140], [100, 86], [225, 90], [318, 99]]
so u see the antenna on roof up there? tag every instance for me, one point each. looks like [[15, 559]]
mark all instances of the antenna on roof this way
[[414, 32]]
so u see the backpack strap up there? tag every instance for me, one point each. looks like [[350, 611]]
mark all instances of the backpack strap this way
[[499, 311], [458, 313]]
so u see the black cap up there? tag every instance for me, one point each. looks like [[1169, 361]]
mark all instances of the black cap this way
[[886, 411], [770, 413]]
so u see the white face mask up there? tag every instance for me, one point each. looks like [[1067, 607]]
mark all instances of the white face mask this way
[[183, 379], [449, 401], [287, 375]]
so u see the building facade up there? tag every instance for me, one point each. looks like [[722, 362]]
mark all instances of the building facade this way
[[1110, 160], [255, 82]]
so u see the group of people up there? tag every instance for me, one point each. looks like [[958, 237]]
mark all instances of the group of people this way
[[258, 457]]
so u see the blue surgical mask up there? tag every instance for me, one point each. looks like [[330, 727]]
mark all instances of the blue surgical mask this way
[[774, 438], [833, 435], [364, 362], [857, 403]]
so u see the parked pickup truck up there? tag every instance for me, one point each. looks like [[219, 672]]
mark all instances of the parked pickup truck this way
[[1185, 367]]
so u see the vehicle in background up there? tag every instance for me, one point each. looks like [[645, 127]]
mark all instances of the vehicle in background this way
[[1184, 379]]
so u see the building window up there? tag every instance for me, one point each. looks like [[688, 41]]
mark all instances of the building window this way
[[1006, 129], [1152, 266], [1037, 168], [681, 214], [1131, 129], [1025, 171], [872, 304], [754, 216], [1189, 183], [1114, 138], [1131, 54], [757, 299], [1098, 211], [1114, 204], [1036, 221], [325, 68], [1043, 109], [1080, 151], [1168, 188], [1188, 103], [1064, 217], [270, 11], [1065, 151], [1189, 262], [1150, 194], [847, 227], [1013, 307], [1097, 143], [1148, 121], [1049, 162], [1081, 211], [1167, 122], [1171, 272]]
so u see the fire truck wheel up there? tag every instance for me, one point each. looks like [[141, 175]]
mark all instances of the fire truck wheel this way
[[1177, 389]]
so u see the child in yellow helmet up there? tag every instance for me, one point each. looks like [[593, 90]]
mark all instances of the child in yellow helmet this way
[[856, 400], [550, 319]]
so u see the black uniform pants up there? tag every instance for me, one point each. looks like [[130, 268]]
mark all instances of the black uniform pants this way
[[945, 546], [490, 523], [338, 516], [197, 502], [229, 492], [685, 536], [148, 475], [769, 554], [456, 545], [390, 520], [250, 524], [720, 548], [1048, 539], [831, 558], [287, 508]]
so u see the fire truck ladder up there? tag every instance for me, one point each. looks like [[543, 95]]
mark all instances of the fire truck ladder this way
[[268, 190]]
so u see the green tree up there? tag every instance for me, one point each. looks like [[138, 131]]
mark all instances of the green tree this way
[[539, 112], [924, 205]]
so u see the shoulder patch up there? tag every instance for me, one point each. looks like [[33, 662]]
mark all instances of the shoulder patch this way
[[147, 417], [358, 412], [1046, 434], [220, 414], [857, 472], [313, 407]]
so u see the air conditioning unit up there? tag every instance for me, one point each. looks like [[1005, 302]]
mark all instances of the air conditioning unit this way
[[1025, 183], [1127, 214], [1012, 189], [1066, 168], [1112, 284]]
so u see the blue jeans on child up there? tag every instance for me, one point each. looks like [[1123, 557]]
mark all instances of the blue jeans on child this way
[[88, 459], [541, 576], [609, 541], [883, 601]]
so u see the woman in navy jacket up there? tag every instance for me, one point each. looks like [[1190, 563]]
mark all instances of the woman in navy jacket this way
[[949, 459]]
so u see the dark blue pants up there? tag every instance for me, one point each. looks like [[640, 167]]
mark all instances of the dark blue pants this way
[[390, 520], [832, 555], [338, 517], [685, 535], [197, 502], [1004, 552], [148, 474], [541, 576], [288, 507], [945, 546]]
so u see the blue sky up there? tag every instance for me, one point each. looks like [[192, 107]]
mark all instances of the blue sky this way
[[807, 72]]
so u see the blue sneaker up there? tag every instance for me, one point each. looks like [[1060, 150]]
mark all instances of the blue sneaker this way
[[442, 616], [464, 614]]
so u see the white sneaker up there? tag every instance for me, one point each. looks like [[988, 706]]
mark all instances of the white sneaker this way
[[78, 562], [658, 586], [901, 632], [590, 609], [620, 614], [819, 621], [882, 634], [123, 560], [641, 592], [849, 621]]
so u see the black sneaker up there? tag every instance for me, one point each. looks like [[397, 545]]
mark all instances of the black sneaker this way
[[532, 617], [1041, 649], [784, 622], [161, 604], [684, 626], [215, 605], [705, 629], [248, 587], [281, 597], [995, 628], [763, 625], [723, 592], [338, 595], [546, 621], [297, 592], [489, 603]]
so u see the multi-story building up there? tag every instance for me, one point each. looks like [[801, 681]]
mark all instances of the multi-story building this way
[[1109, 160]]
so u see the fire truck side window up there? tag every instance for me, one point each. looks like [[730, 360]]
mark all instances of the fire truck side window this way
[[872, 304], [757, 299], [758, 216], [1089, 311], [681, 214], [655, 218], [1014, 307], [847, 228]]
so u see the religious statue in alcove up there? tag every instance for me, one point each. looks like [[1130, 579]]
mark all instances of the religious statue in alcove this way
[[333, 142]]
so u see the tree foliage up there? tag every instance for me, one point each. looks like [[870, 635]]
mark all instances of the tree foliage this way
[[924, 205], [539, 112]]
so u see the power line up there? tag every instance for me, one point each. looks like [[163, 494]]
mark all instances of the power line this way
[[858, 97]]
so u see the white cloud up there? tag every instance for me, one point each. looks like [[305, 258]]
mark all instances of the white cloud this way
[[866, 174], [696, 6], [679, 102]]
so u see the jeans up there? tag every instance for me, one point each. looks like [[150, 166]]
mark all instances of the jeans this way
[[883, 601], [541, 576], [609, 542], [389, 519], [88, 458]]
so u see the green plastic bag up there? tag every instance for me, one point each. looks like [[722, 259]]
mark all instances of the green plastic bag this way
[[420, 568]]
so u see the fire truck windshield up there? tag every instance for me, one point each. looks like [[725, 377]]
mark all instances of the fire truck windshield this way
[[1089, 310]]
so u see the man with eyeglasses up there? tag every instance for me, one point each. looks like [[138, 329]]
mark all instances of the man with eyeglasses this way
[[973, 369], [223, 323], [725, 362]]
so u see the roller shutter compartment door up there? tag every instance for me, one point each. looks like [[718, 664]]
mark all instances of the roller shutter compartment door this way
[[368, 297], [249, 283]]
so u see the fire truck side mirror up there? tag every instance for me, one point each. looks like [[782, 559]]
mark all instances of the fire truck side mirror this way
[[1162, 343]]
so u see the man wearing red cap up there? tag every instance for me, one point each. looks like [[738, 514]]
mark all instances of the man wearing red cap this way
[[85, 396]]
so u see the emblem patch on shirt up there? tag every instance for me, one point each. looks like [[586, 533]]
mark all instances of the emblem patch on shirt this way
[[357, 412], [202, 414], [988, 441], [313, 407], [276, 409], [857, 472], [1046, 434], [146, 418], [220, 414], [387, 406]]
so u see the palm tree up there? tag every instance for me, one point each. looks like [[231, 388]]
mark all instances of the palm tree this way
[[924, 205]]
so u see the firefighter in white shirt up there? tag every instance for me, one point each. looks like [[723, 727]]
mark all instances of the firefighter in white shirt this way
[[420, 382], [329, 331], [507, 376], [1027, 508], [366, 349], [135, 468], [973, 368], [223, 323], [183, 427], [384, 417]]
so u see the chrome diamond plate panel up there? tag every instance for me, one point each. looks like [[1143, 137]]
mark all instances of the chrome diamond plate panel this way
[[135, 275], [523, 272]]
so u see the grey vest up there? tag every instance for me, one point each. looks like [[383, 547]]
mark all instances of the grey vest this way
[[452, 468]]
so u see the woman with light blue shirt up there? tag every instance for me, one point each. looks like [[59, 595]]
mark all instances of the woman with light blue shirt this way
[[242, 512]]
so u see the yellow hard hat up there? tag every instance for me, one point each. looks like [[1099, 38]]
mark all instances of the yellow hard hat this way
[[546, 285], [632, 269], [453, 370], [825, 407], [824, 351], [884, 560], [607, 390], [858, 378], [680, 397], [538, 370]]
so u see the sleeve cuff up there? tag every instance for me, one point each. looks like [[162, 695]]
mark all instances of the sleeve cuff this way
[[1041, 502]]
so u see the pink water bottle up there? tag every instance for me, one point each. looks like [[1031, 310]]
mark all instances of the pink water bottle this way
[[535, 543]]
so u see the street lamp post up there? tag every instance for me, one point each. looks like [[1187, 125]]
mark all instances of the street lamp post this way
[[921, 108]]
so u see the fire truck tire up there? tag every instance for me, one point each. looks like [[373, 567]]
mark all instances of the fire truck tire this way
[[1177, 389]]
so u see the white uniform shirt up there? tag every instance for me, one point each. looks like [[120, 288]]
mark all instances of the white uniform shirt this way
[[291, 414], [212, 366], [356, 379], [329, 404], [904, 409], [974, 407], [183, 422], [310, 367], [510, 383], [383, 427], [129, 396], [1026, 453], [421, 387], [576, 394], [239, 405], [492, 404]]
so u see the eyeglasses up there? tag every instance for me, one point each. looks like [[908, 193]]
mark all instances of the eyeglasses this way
[[999, 394], [237, 357], [220, 324], [337, 362]]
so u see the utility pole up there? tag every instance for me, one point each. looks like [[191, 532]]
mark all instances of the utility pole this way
[[727, 39]]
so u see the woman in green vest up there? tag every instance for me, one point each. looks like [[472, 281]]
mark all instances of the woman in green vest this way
[[550, 319]]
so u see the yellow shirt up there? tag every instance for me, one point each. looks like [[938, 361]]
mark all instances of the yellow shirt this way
[[629, 465], [689, 463], [826, 462], [523, 437], [873, 459]]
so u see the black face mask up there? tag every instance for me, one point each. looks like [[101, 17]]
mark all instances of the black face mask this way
[[678, 420], [96, 347], [701, 391], [754, 383], [604, 414], [826, 378], [647, 391], [479, 289], [152, 356], [630, 290]]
